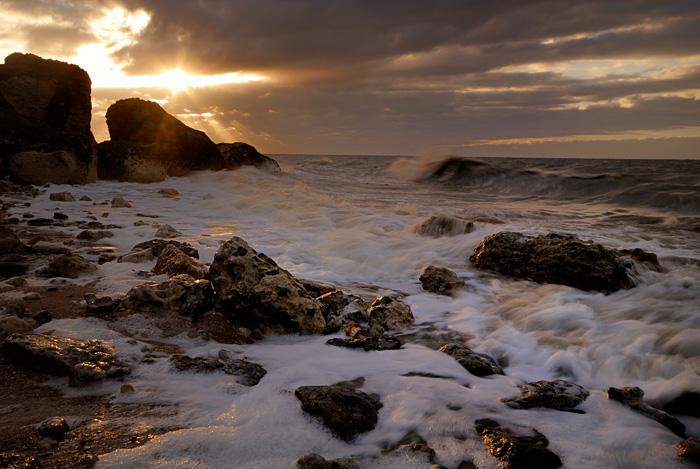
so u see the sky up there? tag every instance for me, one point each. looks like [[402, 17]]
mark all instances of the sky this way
[[534, 78]]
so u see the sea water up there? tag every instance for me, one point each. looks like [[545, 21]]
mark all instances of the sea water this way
[[351, 221]]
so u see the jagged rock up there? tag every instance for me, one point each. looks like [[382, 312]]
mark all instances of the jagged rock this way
[[688, 403], [249, 373], [167, 231], [440, 280], [134, 162], [54, 428], [689, 449], [442, 225], [157, 246], [477, 364], [68, 265], [173, 262], [257, 293], [119, 202], [388, 314], [554, 258], [135, 257], [169, 193], [632, 397], [316, 461], [181, 294], [557, 394], [13, 325], [82, 361], [515, 446], [241, 154], [368, 343], [62, 197], [90, 235], [345, 411], [339, 309], [316, 288]]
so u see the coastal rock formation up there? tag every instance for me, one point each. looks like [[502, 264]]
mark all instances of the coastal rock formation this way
[[241, 154], [632, 397], [554, 258], [316, 461], [521, 448], [255, 292], [134, 162], [443, 225], [477, 364], [557, 394], [368, 343], [440, 280], [182, 294], [173, 261], [45, 112], [389, 314]]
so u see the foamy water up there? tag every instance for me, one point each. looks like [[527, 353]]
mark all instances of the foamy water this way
[[351, 221]]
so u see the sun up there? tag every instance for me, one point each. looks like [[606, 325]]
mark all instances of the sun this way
[[175, 80]]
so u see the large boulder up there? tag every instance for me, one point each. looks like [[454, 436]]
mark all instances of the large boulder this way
[[135, 162], [241, 154], [256, 293], [554, 258], [145, 123], [45, 112]]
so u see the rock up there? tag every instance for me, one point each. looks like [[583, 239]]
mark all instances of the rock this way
[[257, 293], [59, 216], [554, 258], [557, 394], [316, 461], [33, 296], [10, 243], [339, 309], [85, 198], [119, 202], [127, 389], [388, 314], [196, 364], [515, 446], [13, 265], [103, 306], [181, 294], [169, 193], [477, 364], [89, 235], [134, 162], [345, 411], [632, 397], [647, 259], [689, 449], [68, 265], [19, 461], [45, 247], [241, 154], [41, 222], [54, 428], [173, 262], [442, 225], [440, 280], [13, 325], [249, 373], [355, 331], [316, 288], [136, 257], [82, 361], [369, 343], [167, 231], [157, 246], [688, 403], [146, 123], [62, 197]]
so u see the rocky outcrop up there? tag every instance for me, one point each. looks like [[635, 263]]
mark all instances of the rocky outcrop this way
[[256, 293], [182, 294], [316, 461], [554, 258], [346, 411], [241, 154], [477, 364], [173, 261], [443, 225], [154, 139], [557, 394], [632, 397], [389, 314], [521, 448], [440, 280], [45, 112], [368, 343]]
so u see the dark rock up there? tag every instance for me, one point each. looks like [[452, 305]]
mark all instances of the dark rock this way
[[119, 202], [688, 403], [10, 243], [54, 428], [68, 265], [103, 306], [89, 235], [134, 162], [346, 412], [173, 261], [647, 259], [249, 373], [389, 314], [135, 257], [42, 317], [167, 231], [157, 246], [241, 154], [517, 447], [316, 461], [440, 280], [181, 294], [82, 361], [414, 452], [169, 193], [689, 449], [316, 288], [60, 216], [45, 247], [554, 258], [257, 293], [13, 265], [442, 225], [196, 364], [339, 309], [62, 197], [558, 394], [13, 325], [41, 222], [369, 343], [632, 397], [477, 364]]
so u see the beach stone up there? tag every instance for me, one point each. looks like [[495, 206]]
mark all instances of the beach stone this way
[[633, 398], [316, 461], [173, 262], [60, 356], [477, 364], [440, 280], [689, 449], [157, 246], [136, 257], [688, 403], [59, 216], [167, 231], [249, 373], [554, 258], [54, 428], [10, 242], [68, 265], [388, 314], [169, 193], [368, 343], [254, 291], [347, 412], [515, 446], [119, 202], [443, 225], [62, 197], [42, 222], [90, 235], [13, 325], [240, 154], [181, 294], [642, 257], [557, 394], [134, 162]]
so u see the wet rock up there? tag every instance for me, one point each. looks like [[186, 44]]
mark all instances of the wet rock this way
[[632, 397], [13, 265], [196, 364], [62, 197], [442, 225], [368, 343], [169, 193], [82, 361], [103, 306], [241, 154], [42, 222], [647, 259], [477, 364], [119, 202], [440, 280], [157, 246], [173, 262], [134, 162], [45, 247], [418, 454], [167, 231], [19, 461], [88, 235], [10, 242], [355, 331], [515, 446], [68, 265], [60, 216], [688, 403], [258, 294], [557, 394], [54, 428], [136, 257], [689, 449], [316, 461], [388, 314], [33, 296], [85, 198], [554, 258], [345, 411], [249, 373], [13, 325], [316, 288], [181, 294]]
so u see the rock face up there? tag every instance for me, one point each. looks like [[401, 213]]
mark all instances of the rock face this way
[[557, 394], [241, 154], [388, 314], [180, 149], [173, 262], [632, 397], [440, 280], [442, 225], [255, 292], [181, 294], [347, 412], [477, 364], [45, 112], [82, 361], [554, 258], [521, 448]]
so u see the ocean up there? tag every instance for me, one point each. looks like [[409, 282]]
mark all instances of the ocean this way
[[351, 221]]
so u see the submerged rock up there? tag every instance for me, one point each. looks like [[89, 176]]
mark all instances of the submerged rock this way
[[557, 394], [632, 397], [440, 280], [173, 261], [368, 343], [249, 373], [389, 314], [120, 202], [241, 154], [195, 364], [442, 225], [477, 364], [181, 294], [515, 446], [167, 231], [316, 461]]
